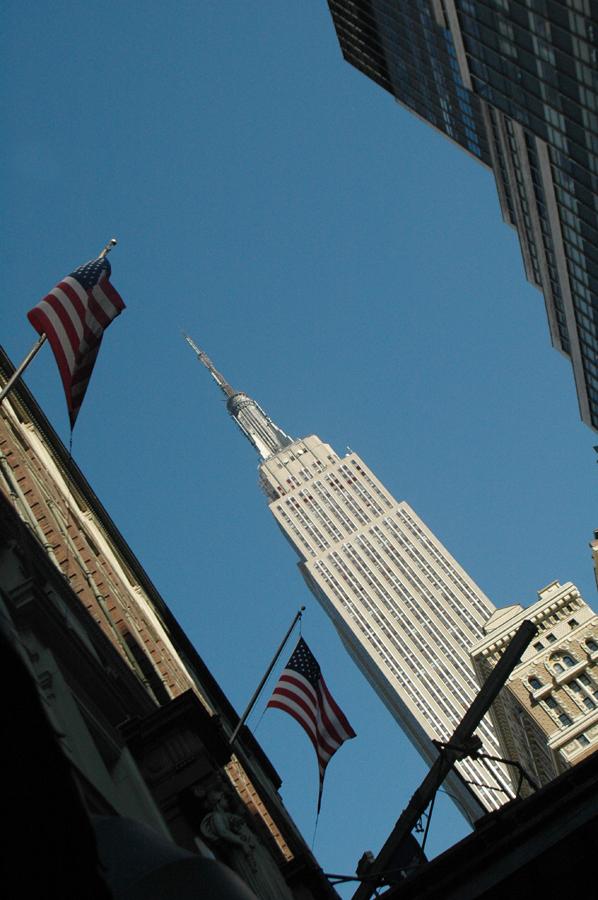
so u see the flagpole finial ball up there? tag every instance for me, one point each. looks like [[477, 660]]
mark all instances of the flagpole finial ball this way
[[111, 243]]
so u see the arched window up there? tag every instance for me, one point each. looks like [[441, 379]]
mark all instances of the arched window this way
[[556, 661], [592, 645], [535, 683], [568, 660]]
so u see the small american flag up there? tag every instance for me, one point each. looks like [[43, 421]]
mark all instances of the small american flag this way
[[301, 691], [74, 316]]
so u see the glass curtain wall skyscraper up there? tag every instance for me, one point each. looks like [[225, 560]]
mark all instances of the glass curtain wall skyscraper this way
[[515, 83], [404, 608]]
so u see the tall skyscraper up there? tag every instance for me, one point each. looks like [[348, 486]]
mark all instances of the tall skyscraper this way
[[404, 608], [515, 83]]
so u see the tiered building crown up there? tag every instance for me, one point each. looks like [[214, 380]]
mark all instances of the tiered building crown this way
[[256, 425]]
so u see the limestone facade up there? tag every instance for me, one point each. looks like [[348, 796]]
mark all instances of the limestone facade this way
[[546, 717]]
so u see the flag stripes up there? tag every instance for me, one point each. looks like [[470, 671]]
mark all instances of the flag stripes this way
[[302, 693], [74, 316], [325, 728]]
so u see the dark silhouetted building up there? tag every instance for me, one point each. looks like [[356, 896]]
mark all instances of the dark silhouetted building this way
[[120, 779], [515, 83]]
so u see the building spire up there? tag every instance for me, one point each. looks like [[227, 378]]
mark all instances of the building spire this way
[[258, 428], [205, 359]]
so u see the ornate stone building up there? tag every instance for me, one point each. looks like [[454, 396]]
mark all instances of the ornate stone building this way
[[141, 721], [546, 718]]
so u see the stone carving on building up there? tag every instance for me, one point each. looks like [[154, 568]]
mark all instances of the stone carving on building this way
[[240, 847]]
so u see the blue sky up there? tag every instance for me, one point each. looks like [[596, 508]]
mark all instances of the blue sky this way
[[339, 261]]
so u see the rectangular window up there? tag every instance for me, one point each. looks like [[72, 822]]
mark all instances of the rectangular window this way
[[543, 50], [588, 98], [582, 6], [581, 50]]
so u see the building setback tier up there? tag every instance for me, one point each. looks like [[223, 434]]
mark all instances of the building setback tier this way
[[405, 610]]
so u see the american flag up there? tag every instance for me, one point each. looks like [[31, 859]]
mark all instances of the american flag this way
[[74, 316], [301, 691]]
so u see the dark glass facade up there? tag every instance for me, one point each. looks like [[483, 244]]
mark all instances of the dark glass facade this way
[[515, 82], [401, 48]]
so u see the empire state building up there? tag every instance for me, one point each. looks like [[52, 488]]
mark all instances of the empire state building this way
[[403, 607]]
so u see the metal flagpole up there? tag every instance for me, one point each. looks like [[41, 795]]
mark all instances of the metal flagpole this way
[[111, 243], [18, 372], [42, 338], [256, 694]]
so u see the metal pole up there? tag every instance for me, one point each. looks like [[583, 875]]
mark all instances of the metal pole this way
[[42, 338], [452, 751], [111, 243], [256, 694], [18, 372]]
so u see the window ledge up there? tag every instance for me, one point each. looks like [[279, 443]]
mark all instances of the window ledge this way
[[570, 673], [541, 692]]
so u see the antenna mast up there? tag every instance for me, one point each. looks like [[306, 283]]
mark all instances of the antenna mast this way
[[207, 362], [259, 429]]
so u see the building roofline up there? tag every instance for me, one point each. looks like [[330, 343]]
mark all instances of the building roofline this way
[[29, 410]]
